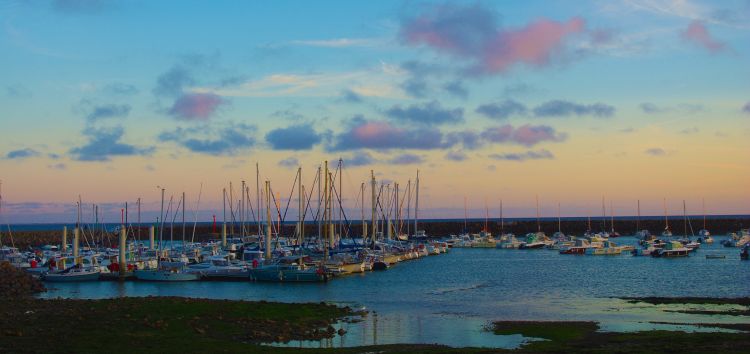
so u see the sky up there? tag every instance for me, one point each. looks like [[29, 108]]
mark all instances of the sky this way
[[564, 101]]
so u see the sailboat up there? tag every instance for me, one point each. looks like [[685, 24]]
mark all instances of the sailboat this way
[[690, 244], [165, 270], [294, 269], [666, 232], [507, 241], [538, 239], [704, 236], [644, 234]]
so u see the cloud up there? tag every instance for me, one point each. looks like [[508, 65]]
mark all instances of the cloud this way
[[173, 82], [429, 114], [359, 158], [560, 108], [524, 156], [648, 107], [119, 88], [526, 135], [692, 130], [746, 107], [697, 33], [472, 32], [350, 96], [287, 114], [289, 162], [196, 106], [456, 88], [17, 91], [456, 156], [58, 166], [414, 87], [688, 108], [295, 137], [210, 140], [381, 135], [104, 143], [469, 139], [656, 152], [108, 111], [406, 159], [502, 110], [21, 154]]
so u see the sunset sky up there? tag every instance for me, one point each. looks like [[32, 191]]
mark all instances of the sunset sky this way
[[567, 100]]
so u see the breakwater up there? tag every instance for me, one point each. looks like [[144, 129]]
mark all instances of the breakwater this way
[[434, 228]]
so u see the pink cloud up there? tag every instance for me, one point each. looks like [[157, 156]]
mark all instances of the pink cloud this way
[[196, 106], [530, 135], [534, 44], [697, 33], [527, 135], [472, 32], [382, 135]]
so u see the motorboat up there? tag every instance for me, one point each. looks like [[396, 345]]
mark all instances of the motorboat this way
[[219, 267], [671, 249], [608, 248], [580, 247], [75, 273]]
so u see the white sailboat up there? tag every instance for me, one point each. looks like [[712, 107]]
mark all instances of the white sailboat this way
[[704, 236], [666, 232]]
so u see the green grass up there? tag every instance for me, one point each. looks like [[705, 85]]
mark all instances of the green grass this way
[[181, 325]]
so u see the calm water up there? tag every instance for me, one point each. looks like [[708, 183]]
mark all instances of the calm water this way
[[448, 299]]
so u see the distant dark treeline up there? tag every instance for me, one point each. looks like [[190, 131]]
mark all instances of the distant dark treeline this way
[[717, 226]]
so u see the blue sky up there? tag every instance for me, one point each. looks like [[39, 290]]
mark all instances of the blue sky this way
[[139, 93]]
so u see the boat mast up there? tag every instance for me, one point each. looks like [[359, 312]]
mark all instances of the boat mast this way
[[666, 220], [416, 206], [269, 223], [300, 197], [325, 211], [538, 225], [466, 230], [139, 220], [559, 223], [340, 195], [638, 218], [408, 208], [604, 216], [502, 220], [257, 195], [704, 212], [161, 230], [373, 215], [319, 217], [612, 215], [242, 211], [486, 215], [184, 205], [362, 211], [684, 216], [396, 210]]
